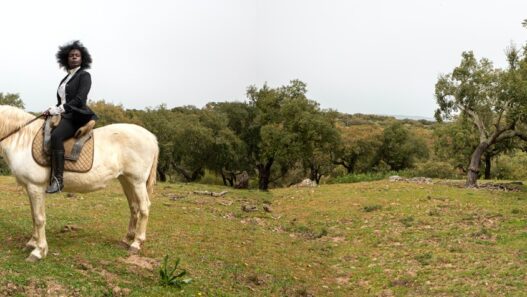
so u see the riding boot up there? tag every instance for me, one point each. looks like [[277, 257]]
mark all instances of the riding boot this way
[[57, 171]]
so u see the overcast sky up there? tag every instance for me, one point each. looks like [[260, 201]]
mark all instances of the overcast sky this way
[[377, 56]]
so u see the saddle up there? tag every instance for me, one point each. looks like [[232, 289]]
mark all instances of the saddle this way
[[78, 150]]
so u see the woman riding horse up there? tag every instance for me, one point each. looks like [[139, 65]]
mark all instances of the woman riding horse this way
[[72, 95]]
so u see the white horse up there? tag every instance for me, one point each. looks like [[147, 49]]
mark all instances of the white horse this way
[[124, 151]]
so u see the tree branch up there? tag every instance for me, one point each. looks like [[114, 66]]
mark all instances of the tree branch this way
[[483, 134], [512, 133]]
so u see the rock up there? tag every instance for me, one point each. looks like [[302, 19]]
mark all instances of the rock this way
[[213, 194], [225, 202], [396, 178], [242, 181], [306, 183], [175, 197], [420, 180], [249, 208], [267, 208], [70, 228], [417, 180]]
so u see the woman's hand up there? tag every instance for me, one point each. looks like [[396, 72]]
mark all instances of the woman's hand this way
[[54, 110]]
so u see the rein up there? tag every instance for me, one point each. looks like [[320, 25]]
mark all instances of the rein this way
[[18, 129]]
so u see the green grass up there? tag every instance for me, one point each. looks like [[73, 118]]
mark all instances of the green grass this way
[[362, 239], [361, 177]]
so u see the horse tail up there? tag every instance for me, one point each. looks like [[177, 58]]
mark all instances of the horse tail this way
[[151, 181]]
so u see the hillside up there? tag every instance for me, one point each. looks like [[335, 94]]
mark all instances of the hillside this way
[[364, 239]]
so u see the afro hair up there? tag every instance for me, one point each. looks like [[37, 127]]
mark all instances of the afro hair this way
[[62, 54]]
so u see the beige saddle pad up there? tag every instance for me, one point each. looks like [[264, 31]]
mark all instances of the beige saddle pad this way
[[82, 164]]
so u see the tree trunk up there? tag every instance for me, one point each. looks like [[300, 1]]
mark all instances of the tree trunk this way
[[190, 176], [350, 167], [229, 177], [315, 174], [196, 174], [488, 158], [473, 169], [223, 178], [162, 175], [264, 174]]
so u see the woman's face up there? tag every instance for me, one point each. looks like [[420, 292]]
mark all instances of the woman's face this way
[[74, 58]]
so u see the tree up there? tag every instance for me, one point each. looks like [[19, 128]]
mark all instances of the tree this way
[[280, 130], [238, 116], [358, 147], [161, 122], [110, 113], [11, 99], [192, 147], [321, 138], [228, 153], [493, 100], [400, 148]]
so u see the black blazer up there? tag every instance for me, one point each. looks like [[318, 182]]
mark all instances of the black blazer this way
[[77, 90]]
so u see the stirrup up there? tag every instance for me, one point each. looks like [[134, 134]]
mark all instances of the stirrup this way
[[54, 181]]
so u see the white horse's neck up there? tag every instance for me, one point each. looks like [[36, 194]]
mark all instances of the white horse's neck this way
[[12, 118]]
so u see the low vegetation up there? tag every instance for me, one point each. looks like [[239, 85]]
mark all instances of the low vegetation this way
[[376, 238]]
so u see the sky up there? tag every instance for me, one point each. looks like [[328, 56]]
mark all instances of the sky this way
[[373, 57]]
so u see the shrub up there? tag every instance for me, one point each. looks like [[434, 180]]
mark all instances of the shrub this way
[[4, 169], [513, 166], [434, 169], [360, 177], [169, 276]]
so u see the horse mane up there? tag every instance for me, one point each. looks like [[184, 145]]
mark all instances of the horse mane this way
[[12, 118]]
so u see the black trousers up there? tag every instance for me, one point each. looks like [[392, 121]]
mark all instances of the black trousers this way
[[66, 129]]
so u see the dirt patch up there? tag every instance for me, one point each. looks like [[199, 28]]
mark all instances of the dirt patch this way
[[47, 287], [253, 221], [343, 280], [110, 278], [258, 280], [85, 268], [228, 216], [142, 262]]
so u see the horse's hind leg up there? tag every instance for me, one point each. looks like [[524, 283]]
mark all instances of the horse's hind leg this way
[[141, 194], [134, 209], [38, 240]]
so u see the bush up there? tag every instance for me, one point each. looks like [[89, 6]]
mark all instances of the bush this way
[[513, 166], [434, 169], [169, 276], [4, 169], [360, 177]]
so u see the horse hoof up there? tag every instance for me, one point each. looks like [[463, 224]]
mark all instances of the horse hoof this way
[[133, 250], [124, 243], [32, 259]]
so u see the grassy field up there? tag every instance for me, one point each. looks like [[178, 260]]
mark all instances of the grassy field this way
[[362, 239]]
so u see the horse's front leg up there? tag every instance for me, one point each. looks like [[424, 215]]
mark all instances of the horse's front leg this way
[[32, 243], [38, 240]]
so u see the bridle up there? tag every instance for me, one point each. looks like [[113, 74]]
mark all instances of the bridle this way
[[18, 129]]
